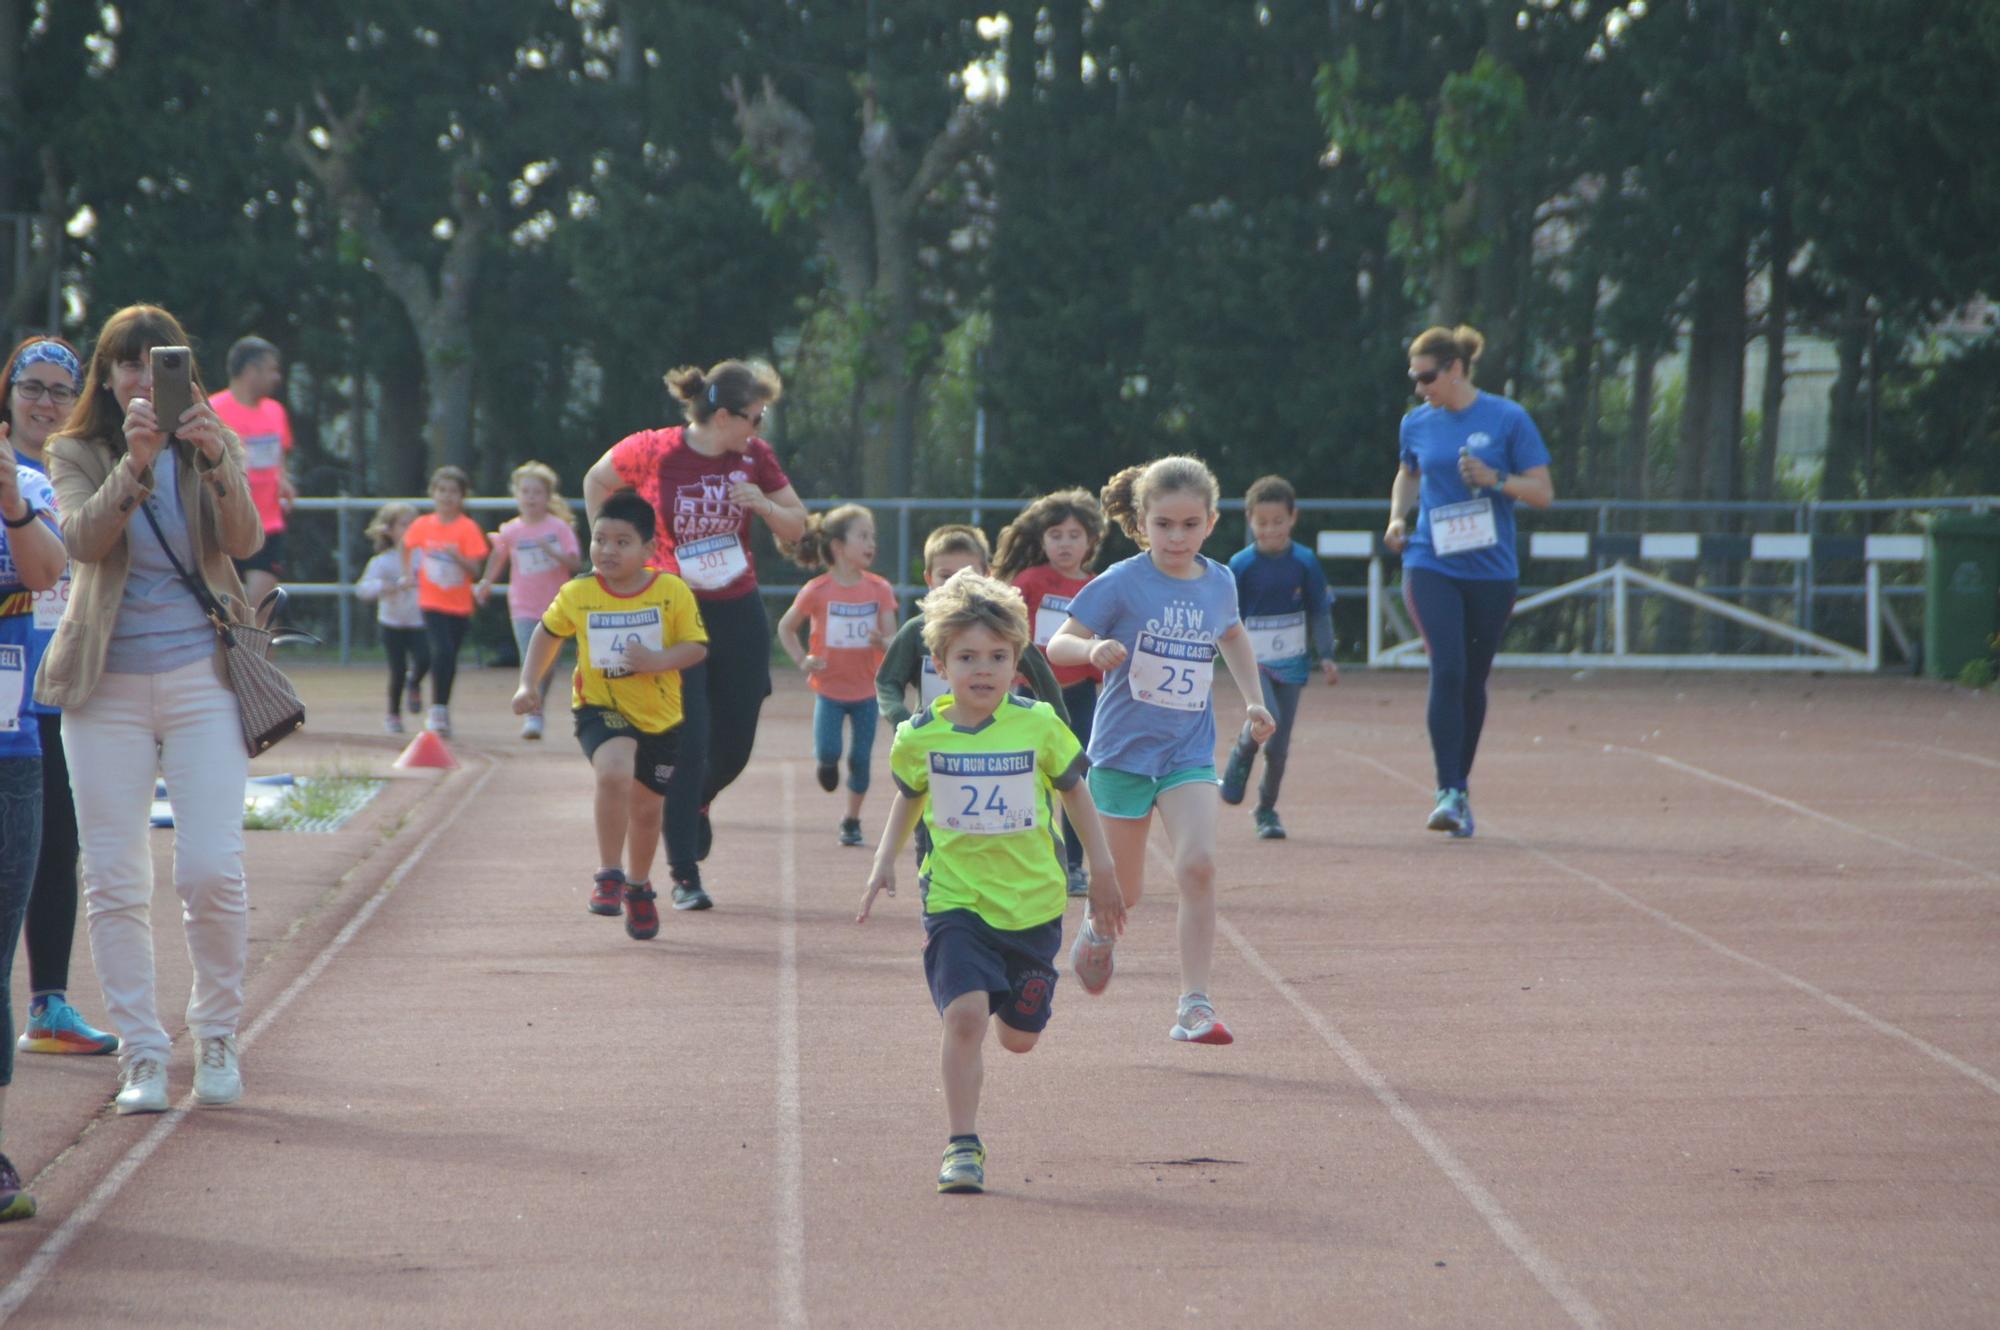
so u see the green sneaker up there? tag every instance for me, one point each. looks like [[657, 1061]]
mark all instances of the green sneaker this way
[[1268, 825], [1236, 773], [1445, 816], [964, 1168]]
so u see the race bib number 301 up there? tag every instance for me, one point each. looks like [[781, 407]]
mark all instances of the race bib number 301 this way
[[1460, 528], [983, 794], [613, 634], [713, 562], [1167, 672]]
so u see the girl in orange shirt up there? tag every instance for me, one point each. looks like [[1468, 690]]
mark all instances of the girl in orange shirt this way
[[447, 549], [852, 613]]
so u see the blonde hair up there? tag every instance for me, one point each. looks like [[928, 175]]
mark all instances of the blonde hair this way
[[970, 600], [381, 526], [1444, 345], [545, 473], [956, 538], [1021, 540], [814, 547], [1128, 494]]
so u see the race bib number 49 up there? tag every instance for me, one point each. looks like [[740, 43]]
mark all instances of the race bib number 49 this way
[[850, 626], [613, 634], [1460, 528], [983, 794], [713, 562], [1167, 672]]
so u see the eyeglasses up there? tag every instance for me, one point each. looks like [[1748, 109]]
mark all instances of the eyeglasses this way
[[34, 390]]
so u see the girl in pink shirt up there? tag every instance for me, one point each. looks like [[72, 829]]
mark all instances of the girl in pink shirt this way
[[852, 614], [541, 545]]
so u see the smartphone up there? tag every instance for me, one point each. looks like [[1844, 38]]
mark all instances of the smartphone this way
[[173, 385]]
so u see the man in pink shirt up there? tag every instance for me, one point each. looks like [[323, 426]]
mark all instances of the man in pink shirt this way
[[259, 419]]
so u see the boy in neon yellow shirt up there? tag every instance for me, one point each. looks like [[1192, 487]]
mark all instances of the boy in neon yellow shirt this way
[[982, 768], [637, 629]]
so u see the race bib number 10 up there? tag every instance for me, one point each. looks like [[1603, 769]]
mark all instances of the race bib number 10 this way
[[613, 634], [1167, 672], [983, 794], [850, 626]]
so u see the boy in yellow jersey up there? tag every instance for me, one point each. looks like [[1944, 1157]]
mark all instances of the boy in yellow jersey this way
[[981, 768], [637, 629]]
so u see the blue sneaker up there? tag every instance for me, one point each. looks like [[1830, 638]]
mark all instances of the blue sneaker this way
[[1464, 828], [60, 1029]]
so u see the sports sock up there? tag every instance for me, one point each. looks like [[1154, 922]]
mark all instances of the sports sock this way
[[971, 1138], [40, 1002]]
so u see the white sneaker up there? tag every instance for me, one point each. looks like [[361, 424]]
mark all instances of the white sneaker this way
[[217, 1080], [392, 724], [531, 728], [440, 722], [1090, 960], [145, 1088], [1198, 1023]]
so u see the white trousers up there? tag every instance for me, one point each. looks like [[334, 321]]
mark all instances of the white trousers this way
[[188, 720]]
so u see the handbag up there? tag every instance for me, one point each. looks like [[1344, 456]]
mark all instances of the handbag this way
[[265, 699]]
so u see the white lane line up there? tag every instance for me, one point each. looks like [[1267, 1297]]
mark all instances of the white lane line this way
[[1842, 1005], [1538, 1264], [51, 1251], [788, 1288], [1792, 806], [1974, 758]]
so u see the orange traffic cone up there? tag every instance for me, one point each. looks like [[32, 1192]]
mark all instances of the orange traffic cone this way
[[427, 750]]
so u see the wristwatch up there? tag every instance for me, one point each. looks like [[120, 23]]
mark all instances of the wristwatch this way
[[1499, 480], [27, 517]]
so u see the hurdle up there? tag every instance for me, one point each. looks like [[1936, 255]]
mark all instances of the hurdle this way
[[1620, 580]]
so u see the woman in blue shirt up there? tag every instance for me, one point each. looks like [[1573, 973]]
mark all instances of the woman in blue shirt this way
[[1467, 458]]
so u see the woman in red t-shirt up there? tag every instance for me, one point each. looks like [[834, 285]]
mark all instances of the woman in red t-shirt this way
[[706, 480], [1045, 554]]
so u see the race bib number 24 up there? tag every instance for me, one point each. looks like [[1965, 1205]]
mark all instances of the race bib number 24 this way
[[983, 794]]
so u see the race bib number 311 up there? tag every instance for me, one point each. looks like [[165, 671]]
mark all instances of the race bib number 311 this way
[[983, 794], [1167, 672], [1460, 528]]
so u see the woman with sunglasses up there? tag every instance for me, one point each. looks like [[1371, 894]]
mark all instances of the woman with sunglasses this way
[[706, 480], [36, 396], [1467, 458]]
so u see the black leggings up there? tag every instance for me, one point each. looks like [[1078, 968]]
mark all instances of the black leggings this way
[[409, 661], [721, 699], [1461, 619], [51, 929], [446, 633]]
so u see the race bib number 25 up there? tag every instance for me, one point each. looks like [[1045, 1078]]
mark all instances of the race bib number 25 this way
[[1171, 673]]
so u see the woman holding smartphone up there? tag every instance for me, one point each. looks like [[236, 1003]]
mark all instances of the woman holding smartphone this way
[[136, 668]]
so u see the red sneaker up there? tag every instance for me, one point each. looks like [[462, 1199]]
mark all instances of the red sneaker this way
[[642, 917], [607, 887]]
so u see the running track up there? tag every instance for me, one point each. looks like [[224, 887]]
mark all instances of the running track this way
[[1701, 1030]]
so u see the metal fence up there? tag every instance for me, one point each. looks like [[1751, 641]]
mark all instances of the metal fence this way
[[1818, 594]]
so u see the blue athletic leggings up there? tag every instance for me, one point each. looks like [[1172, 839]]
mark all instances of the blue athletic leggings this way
[[1461, 619], [1282, 701], [862, 717]]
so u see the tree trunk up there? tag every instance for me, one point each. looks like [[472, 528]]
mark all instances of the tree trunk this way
[[1777, 312], [1634, 460], [1848, 415]]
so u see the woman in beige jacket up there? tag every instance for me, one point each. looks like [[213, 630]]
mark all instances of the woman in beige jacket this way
[[135, 667]]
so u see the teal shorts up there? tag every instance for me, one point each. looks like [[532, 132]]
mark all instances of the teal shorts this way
[[1128, 795]]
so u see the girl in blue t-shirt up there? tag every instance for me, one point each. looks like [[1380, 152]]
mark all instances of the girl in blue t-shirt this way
[[1288, 613], [1154, 624], [1467, 458]]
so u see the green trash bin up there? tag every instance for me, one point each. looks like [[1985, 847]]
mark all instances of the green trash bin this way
[[1962, 601]]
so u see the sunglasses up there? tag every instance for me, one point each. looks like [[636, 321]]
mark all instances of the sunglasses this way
[[1427, 377], [755, 420]]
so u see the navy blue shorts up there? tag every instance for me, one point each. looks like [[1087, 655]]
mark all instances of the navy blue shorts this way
[[1016, 970]]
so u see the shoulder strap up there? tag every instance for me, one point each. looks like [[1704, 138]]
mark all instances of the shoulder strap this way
[[203, 596]]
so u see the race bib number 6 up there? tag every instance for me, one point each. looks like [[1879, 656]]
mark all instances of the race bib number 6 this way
[[1167, 672], [613, 634], [1276, 637], [983, 794]]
